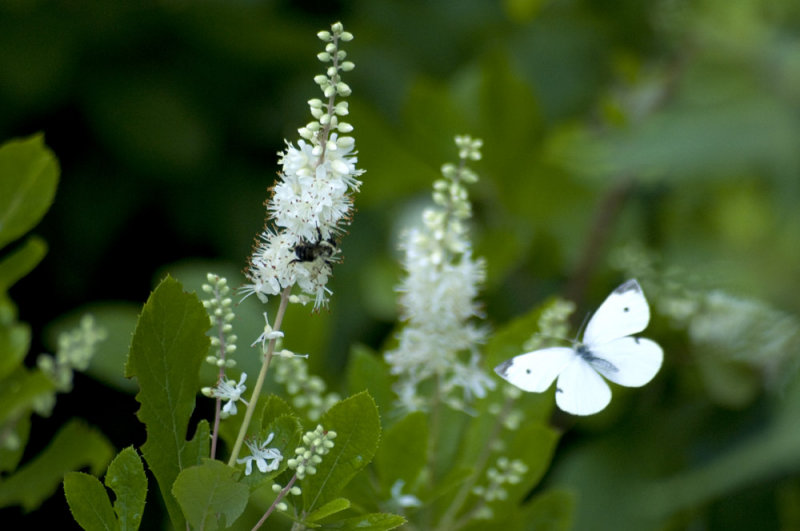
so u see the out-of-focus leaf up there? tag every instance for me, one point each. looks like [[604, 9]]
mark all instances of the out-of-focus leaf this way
[[28, 179], [366, 371], [368, 522], [21, 261], [404, 451], [74, 446], [332, 507]]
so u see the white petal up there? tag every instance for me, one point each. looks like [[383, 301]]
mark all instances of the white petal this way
[[632, 361], [535, 371], [581, 390]]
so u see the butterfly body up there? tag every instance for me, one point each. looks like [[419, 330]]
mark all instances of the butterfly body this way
[[606, 350]]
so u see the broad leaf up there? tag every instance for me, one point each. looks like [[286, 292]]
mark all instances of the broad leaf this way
[[15, 340], [366, 371], [88, 502], [210, 495], [20, 390], [125, 476], [28, 178], [356, 422], [403, 451], [550, 511], [168, 347], [74, 446], [10, 457]]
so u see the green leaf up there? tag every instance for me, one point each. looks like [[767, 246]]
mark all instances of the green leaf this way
[[15, 340], [368, 522], [358, 428], [21, 261], [74, 446], [28, 178], [404, 451], [125, 476], [20, 390], [366, 371], [210, 495], [88, 502], [10, 457], [332, 507], [168, 346], [550, 511]]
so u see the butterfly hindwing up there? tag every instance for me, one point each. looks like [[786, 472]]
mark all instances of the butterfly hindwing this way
[[623, 313], [580, 390], [630, 361], [535, 371]]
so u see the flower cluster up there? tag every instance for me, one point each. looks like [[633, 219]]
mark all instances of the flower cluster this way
[[437, 296], [318, 443], [307, 391], [506, 472], [312, 199], [75, 351], [220, 310]]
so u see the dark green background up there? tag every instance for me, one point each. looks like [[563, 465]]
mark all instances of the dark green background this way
[[167, 117]]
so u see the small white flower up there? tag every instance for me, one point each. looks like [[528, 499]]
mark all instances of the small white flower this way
[[267, 335], [232, 392], [403, 500], [266, 459]]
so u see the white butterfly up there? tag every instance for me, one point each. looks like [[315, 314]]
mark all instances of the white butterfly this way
[[607, 348]]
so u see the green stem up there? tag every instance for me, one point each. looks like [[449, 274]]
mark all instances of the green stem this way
[[251, 406]]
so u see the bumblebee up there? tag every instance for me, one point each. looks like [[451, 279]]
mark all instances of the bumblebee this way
[[309, 251]]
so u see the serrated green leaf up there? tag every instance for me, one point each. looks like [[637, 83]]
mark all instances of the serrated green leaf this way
[[125, 476], [76, 445], [21, 261], [358, 428], [210, 495], [366, 371], [88, 502], [168, 347], [332, 507], [404, 451], [368, 522], [15, 341], [28, 179]]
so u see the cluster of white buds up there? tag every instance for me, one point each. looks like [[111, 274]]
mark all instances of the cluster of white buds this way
[[437, 297], [220, 309], [75, 350], [312, 199], [506, 472], [307, 391], [553, 324], [317, 443]]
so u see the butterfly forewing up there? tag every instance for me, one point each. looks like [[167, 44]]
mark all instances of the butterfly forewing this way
[[623, 313], [535, 371]]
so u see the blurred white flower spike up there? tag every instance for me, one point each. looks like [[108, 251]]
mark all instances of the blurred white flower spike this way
[[607, 349]]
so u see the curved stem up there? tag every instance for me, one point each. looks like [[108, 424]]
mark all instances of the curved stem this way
[[251, 406]]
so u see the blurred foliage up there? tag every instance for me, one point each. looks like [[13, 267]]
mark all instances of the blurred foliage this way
[[670, 124]]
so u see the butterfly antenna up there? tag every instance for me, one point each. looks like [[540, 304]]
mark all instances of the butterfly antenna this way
[[582, 327]]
